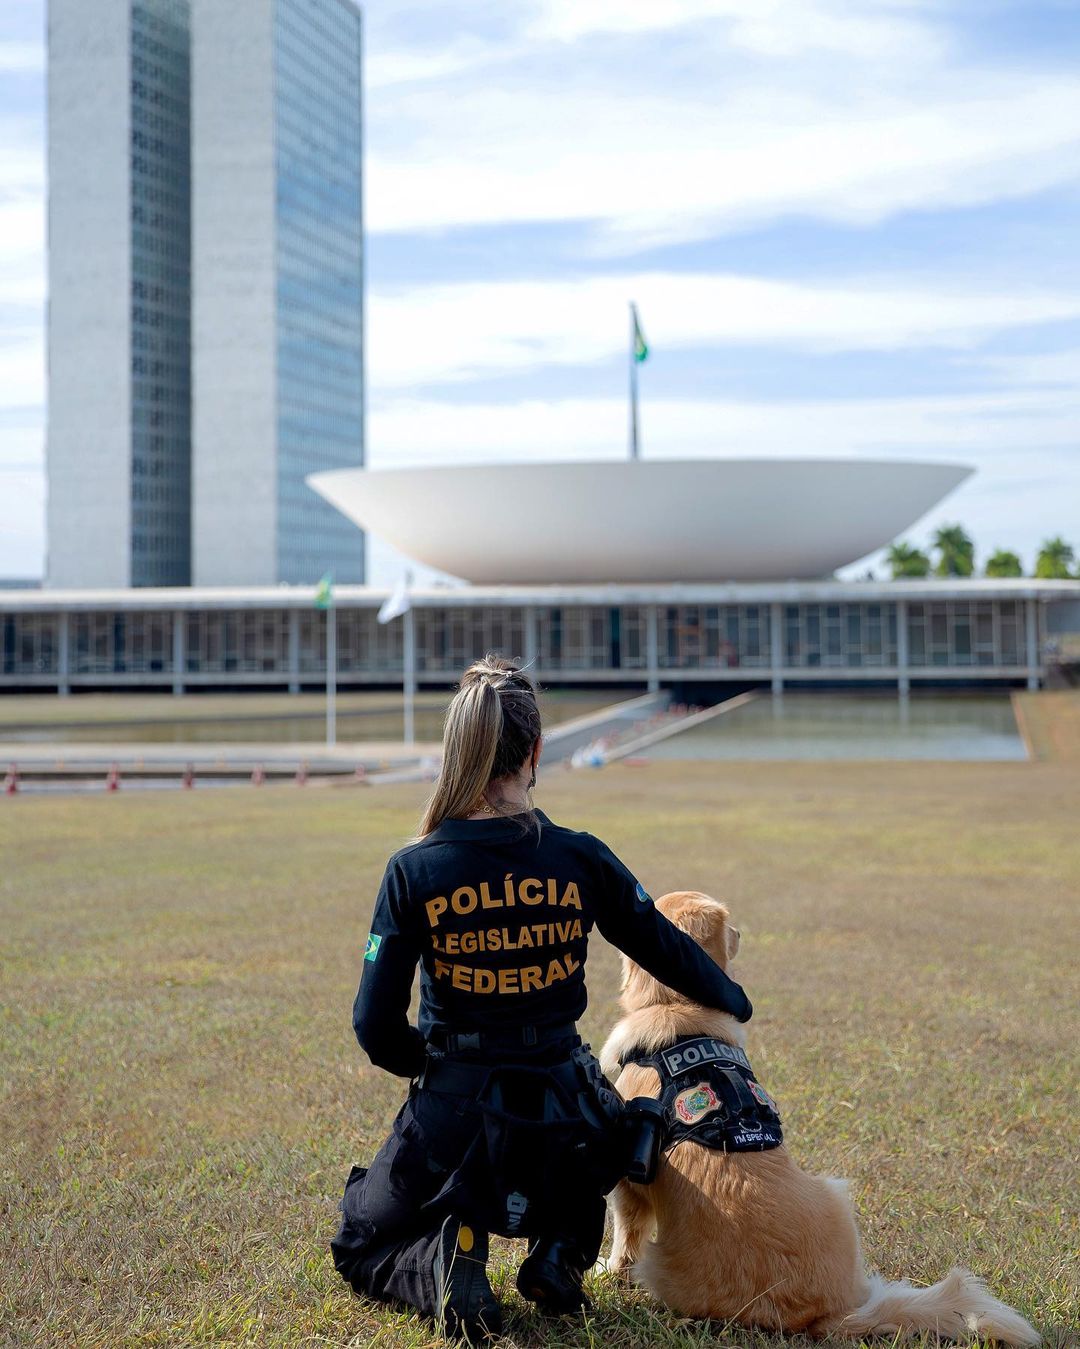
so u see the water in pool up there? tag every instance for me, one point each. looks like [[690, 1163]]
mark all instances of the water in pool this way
[[846, 726]]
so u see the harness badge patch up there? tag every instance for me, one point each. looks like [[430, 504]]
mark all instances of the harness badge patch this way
[[374, 941], [761, 1095], [695, 1103]]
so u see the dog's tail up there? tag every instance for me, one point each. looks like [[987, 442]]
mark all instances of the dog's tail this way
[[960, 1307]]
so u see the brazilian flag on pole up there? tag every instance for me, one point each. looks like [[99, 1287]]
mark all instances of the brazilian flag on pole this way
[[324, 594], [641, 347]]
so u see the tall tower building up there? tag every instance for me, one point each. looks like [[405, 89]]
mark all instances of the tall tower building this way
[[119, 421], [277, 249], [206, 289]]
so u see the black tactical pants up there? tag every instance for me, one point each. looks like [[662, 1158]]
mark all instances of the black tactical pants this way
[[392, 1212]]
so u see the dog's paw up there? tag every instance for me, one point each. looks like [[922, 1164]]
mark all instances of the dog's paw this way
[[607, 1269]]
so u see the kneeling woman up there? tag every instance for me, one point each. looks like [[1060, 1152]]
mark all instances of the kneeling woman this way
[[504, 1127]]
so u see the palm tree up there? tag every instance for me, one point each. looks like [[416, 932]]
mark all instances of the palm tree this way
[[1054, 560], [956, 551], [1004, 563], [906, 560]]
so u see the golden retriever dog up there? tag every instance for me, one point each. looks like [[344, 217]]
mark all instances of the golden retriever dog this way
[[747, 1236]]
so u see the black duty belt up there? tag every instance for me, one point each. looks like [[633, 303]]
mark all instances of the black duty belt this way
[[572, 1088], [451, 1077], [503, 1038]]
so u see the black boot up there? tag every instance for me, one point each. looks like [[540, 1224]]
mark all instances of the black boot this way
[[551, 1275], [468, 1308]]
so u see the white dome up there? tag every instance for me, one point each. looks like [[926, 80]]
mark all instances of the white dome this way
[[641, 520]]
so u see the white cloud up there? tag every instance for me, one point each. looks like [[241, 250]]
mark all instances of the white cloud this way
[[767, 27], [1019, 432], [384, 69], [461, 331], [656, 169], [22, 369], [22, 343], [22, 58], [1043, 368], [660, 122], [22, 250], [22, 521]]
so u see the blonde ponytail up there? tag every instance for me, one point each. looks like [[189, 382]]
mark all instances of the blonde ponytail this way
[[491, 726]]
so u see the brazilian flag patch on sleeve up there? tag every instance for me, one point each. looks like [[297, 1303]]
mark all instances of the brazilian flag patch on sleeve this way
[[374, 941]]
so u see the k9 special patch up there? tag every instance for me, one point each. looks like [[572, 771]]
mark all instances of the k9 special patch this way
[[695, 1103]]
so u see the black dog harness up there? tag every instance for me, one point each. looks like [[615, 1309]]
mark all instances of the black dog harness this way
[[709, 1095]]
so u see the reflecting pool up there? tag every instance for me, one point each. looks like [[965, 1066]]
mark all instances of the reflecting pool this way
[[854, 726]]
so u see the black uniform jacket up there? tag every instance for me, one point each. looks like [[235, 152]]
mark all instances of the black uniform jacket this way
[[498, 913]]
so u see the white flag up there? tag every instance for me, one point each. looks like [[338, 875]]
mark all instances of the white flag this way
[[398, 603]]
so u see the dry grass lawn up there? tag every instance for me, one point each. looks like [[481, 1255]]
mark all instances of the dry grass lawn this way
[[181, 1095], [1052, 723]]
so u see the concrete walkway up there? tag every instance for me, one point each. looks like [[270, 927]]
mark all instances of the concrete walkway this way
[[85, 759]]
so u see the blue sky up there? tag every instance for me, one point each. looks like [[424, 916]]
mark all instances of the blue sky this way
[[850, 226]]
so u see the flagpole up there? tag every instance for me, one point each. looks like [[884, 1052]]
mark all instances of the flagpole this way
[[633, 385], [398, 604], [409, 681], [331, 674]]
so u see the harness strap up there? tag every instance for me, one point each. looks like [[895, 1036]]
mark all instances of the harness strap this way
[[738, 1088]]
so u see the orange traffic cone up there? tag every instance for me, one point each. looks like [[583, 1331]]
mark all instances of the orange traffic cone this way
[[258, 777], [188, 780], [11, 782], [112, 782]]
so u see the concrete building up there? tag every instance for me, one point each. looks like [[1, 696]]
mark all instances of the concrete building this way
[[204, 168], [277, 246], [705, 638], [669, 520], [119, 440]]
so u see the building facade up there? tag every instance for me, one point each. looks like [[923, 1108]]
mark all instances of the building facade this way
[[160, 293], [278, 287], [205, 282], [119, 443], [794, 634]]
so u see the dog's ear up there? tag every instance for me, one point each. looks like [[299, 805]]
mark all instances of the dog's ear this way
[[703, 918]]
